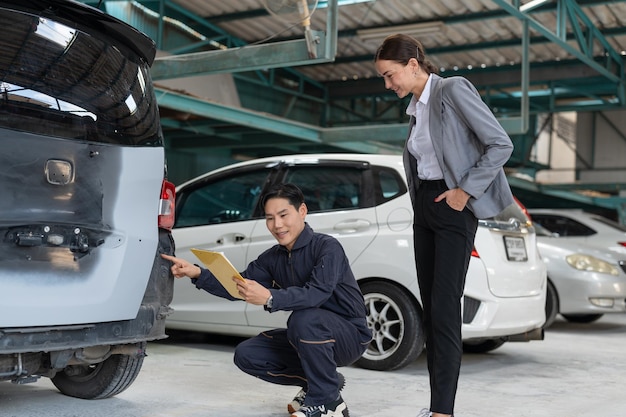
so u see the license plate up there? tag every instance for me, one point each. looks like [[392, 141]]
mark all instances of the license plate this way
[[515, 248]]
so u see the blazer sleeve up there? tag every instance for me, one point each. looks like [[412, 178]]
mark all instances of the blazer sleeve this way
[[487, 140]]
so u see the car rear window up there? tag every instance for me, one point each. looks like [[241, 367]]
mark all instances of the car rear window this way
[[61, 82], [564, 226], [328, 187]]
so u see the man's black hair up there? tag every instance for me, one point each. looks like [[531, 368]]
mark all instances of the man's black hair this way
[[287, 191]]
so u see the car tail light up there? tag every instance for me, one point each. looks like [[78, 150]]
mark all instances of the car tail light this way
[[621, 243], [523, 208], [166, 206], [475, 253]]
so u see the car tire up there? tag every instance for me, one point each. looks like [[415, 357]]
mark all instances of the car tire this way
[[396, 324], [101, 380], [483, 345], [582, 318], [552, 305]]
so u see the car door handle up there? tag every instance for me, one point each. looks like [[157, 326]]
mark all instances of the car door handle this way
[[352, 226], [234, 238]]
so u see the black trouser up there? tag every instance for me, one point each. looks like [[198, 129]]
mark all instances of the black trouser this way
[[444, 239]]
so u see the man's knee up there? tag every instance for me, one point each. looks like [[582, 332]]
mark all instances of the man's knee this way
[[307, 324], [242, 355]]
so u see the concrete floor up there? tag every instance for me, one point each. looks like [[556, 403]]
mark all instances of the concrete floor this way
[[577, 370]]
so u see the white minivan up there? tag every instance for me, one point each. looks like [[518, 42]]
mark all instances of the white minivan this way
[[363, 201]]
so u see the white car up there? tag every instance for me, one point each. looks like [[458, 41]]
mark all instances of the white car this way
[[363, 201]]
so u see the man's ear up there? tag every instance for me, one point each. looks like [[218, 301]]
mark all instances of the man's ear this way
[[303, 210]]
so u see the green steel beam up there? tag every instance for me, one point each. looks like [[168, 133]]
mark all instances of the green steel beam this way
[[570, 9], [606, 187], [567, 10], [614, 203], [246, 58], [365, 139], [237, 116], [396, 132], [317, 47], [203, 129]]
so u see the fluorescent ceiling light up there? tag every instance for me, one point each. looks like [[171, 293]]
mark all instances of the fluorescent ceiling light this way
[[418, 29], [533, 4], [321, 4]]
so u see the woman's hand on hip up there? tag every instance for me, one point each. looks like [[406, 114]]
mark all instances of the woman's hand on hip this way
[[456, 198]]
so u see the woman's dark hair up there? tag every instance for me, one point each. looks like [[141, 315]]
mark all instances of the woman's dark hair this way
[[288, 191], [401, 48]]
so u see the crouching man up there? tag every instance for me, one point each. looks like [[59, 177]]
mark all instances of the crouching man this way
[[308, 274]]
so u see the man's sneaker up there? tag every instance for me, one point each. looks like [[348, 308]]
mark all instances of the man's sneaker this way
[[298, 400], [425, 412], [337, 408]]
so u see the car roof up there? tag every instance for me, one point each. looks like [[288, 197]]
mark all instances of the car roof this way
[[377, 159]]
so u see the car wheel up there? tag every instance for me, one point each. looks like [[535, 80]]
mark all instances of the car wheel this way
[[483, 345], [101, 380], [396, 324], [552, 305], [582, 318]]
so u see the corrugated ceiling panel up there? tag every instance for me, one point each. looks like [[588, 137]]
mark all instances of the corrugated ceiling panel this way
[[380, 13]]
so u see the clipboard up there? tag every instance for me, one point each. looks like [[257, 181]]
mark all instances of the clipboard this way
[[221, 268]]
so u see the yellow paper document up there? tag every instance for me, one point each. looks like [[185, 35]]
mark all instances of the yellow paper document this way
[[221, 267]]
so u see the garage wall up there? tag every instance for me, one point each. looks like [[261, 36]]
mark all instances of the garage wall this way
[[601, 145], [556, 147], [586, 147]]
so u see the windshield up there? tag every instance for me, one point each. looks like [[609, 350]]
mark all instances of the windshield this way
[[608, 222], [59, 81], [542, 231]]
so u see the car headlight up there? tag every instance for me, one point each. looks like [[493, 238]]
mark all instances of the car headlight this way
[[590, 263]]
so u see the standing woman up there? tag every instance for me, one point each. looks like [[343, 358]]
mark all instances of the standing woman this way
[[453, 158]]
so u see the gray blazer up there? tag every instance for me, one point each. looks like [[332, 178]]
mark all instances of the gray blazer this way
[[471, 146]]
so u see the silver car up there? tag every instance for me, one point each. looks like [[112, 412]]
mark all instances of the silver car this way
[[585, 279]]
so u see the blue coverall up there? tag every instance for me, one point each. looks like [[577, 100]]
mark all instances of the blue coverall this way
[[327, 327]]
